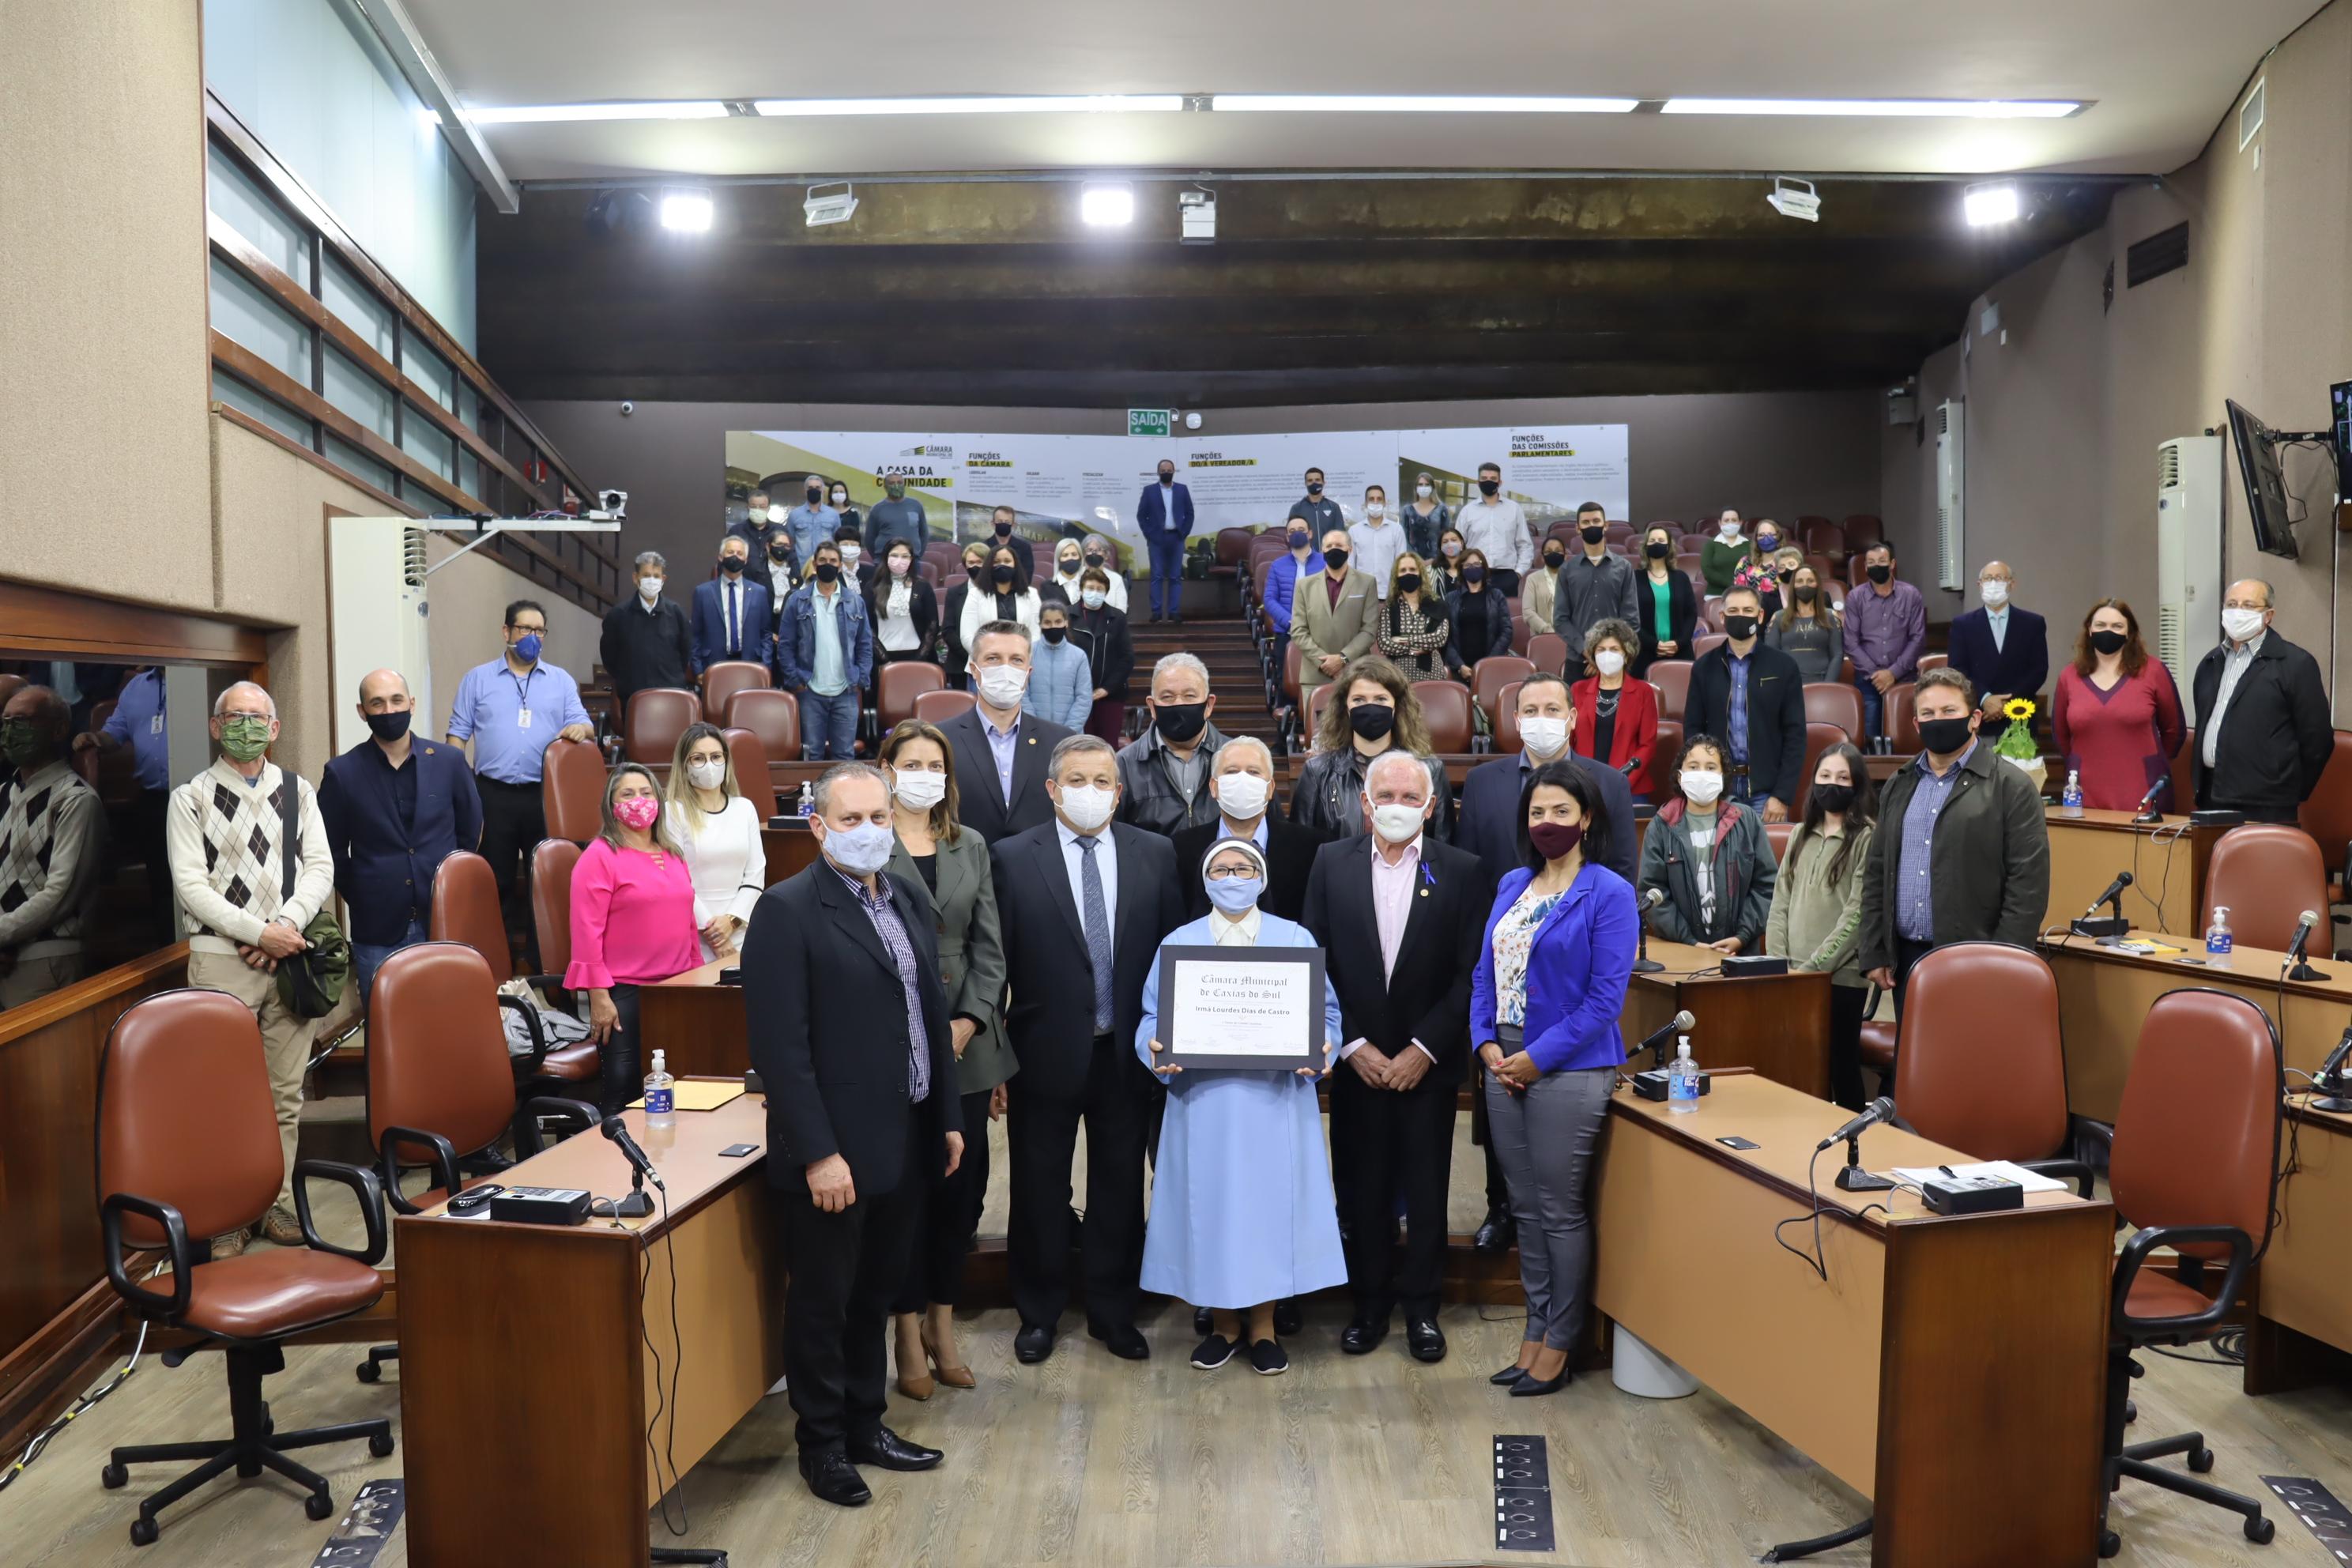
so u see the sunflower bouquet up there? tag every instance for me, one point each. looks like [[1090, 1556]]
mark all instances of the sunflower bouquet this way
[[2017, 742]]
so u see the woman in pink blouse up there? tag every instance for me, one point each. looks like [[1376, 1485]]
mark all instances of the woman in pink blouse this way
[[2117, 715], [631, 923]]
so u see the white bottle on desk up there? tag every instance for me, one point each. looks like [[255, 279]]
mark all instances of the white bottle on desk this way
[[661, 1095], [1682, 1079], [2070, 800], [2217, 935]]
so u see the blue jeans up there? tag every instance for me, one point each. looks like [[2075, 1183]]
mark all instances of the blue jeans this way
[[1873, 706], [828, 725], [367, 957], [1167, 552]]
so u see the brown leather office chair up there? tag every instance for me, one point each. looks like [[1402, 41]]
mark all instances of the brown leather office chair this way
[[187, 1149], [1829, 702], [1819, 739], [1508, 741], [938, 707], [896, 688], [727, 677], [1548, 651], [752, 774], [1316, 701], [550, 903], [1928, 661], [2193, 1169], [572, 789], [1672, 677], [1669, 748], [1901, 716], [657, 718], [439, 1088], [2266, 874], [773, 717], [1980, 1067], [2327, 814], [465, 911], [1878, 1038], [1708, 642], [1233, 548], [1520, 631], [1862, 531], [1778, 834], [1491, 674], [1445, 708]]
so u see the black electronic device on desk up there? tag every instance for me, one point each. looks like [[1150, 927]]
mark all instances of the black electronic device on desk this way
[[541, 1206], [1970, 1194], [1655, 1083], [2329, 1083], [2109, 928], [1752, 965]]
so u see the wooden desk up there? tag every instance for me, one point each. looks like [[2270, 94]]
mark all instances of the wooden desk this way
[[790, 849], [2303, 1295], [698, 1021], [1885, 1373], [2166, 862], [525, 1386], [2103, 995], [1778, 1024]]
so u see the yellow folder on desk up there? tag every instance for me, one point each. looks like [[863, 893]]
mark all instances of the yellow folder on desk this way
[[698, 1094]]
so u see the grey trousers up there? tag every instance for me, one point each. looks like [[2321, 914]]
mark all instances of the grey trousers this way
[[1546, 1139]]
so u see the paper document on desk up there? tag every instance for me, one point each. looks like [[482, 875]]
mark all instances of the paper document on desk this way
[[699, 1094], [1919, 1175]]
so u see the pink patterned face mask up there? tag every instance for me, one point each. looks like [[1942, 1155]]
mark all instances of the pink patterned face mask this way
[[637, 812]]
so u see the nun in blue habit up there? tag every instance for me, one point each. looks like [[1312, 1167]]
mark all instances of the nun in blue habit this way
[[1242, 1213]]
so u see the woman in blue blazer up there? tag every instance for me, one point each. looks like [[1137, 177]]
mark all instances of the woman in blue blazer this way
[[1544, 1001]]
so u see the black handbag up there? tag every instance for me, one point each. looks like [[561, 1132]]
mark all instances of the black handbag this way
[[312, 981]]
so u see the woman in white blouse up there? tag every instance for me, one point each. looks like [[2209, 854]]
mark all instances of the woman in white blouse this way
[[905, 611], [1002, 594], [718, 828]]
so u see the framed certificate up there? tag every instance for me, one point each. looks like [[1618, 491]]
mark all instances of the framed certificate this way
[[1249, 1007]]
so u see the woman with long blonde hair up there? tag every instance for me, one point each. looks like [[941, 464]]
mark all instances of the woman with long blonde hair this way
[[717, 830]]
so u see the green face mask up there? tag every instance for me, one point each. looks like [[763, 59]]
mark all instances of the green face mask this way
[[244, 738], [20, 742]]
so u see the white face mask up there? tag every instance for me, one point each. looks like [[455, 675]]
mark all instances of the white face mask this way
[[1995, 592], [849, 553], [777, 514], [918, 791], [1087, 806], [1003, 685], [1397, 824], [841, 498], [1422, 490], [706, 775], [1701, 786], [1375, 510], [2242, 625], [1453, 547], [1728, 530], [1093, 598], [1242, 795], [650, 589], [1544, 737], [1609, 661]]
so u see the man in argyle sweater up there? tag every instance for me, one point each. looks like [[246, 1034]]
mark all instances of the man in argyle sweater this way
[[52, 846], [227, 876]]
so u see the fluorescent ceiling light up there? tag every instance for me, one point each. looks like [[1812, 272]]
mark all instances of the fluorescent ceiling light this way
[[1990, 203], [1386, 103], [1106, 206], [686, 209], [1878, 108], [1104, 103], [551, 114]]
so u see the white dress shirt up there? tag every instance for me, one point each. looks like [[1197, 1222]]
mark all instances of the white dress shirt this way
[[1227, 932], [2235, 662], [1499, 532], [1392, 892], [1073, 860], [1377, 546]]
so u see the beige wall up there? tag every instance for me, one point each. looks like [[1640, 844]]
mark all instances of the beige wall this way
[[2062, 423]]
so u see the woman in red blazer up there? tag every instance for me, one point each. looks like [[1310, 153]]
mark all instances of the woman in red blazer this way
[[1616, 713]]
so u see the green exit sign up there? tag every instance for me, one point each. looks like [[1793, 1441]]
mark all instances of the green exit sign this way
[[1149, 422]]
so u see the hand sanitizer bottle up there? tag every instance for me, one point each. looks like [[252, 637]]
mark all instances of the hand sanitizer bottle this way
[[2070, 803], [1682, 1079], [2217, 935], [808, 801], [660, 1105]]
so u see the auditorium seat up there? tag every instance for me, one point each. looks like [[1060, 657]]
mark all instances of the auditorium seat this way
[[2327, 814], [1669, 753], [1521, 632], [1980, 1067], [1828, 567], [1507, 721], [724, 679], [657, 718], [1445, 707], [1928, 661], [773, 718], [572, 789], [1316, 701], [2266, 875], [752, 774], [1706, 643], [1617, 535], [1233, 547], [1827, 702], [1778, 834], [938, 707], [1900, 710], [2184, 772], [929, 572], [1672, 677], [1819, 739], [1690, 565], [1710, 612], [1490, 675], [944, 555], [1820, 536], [1861, 530], [1548, 651], [552, 865], [896, 686]]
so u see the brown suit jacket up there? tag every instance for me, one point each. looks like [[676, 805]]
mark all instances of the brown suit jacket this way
[[1318, 627]]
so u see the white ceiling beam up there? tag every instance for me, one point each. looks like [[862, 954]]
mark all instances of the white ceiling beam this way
[[414, 55]]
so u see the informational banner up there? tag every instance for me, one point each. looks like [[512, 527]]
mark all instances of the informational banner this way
[[1061, 484]]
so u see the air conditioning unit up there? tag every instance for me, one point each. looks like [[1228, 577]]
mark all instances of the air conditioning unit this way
[[376, 613], [2188, 551], [1951, 551]]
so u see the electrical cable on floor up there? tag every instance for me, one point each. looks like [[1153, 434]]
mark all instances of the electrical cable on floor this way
[[81, 1406]]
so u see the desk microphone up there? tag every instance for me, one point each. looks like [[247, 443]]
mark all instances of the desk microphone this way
[[2106, 927], [2329, 1080], [1681, 1022], [2297, 968], [1643, 962], [1876, 1111], [2113, 894], [619, 1137], [2145, 812]]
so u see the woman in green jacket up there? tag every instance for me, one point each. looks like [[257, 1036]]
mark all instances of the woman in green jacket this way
[[1720, 556], [1816, 922]]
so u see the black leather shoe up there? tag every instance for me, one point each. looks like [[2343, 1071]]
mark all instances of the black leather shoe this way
[[1498, 1234], [1363, 1336], [1530, 1387], [834, 1479], [1509, 1375], [1423, 1337], [885, 1450], [1124, 1340], [1289, 1317], [1032, 1343], [1203, 1320]]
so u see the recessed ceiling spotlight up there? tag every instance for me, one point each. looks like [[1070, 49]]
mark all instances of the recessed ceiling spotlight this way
[[687, 209], [1794, 198], [835, 205], [1994, 202], [1106, 206], [1881, 108]]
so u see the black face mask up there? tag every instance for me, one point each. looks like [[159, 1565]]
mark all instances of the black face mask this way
[[1739, 628], [1806, 594], [780, 552], [1315, 487], [730, 564], [1054, 634], [1180, 721], [826, 572], [815, 497], [1555, 557], [1166, 475], [1787, 573], [1658, 549], [1409, 582], [2108, 642], [1489, 487], [1836, 799], [1002, 575], [1372, 720], [1335, 559], [1944, 736], [1474, 574], [1880, 573], [1593, 533], [1004, 530], [1094, 558], [389, 727]]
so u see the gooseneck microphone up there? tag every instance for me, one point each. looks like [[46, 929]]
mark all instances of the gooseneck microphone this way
[[1681, 1022], [2114, 895], [1643, 962], [1876, 1111], [619, 1137], [2296, 966]]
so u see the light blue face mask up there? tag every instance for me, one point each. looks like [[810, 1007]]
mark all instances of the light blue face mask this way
[[861, 851], [1235, 895]]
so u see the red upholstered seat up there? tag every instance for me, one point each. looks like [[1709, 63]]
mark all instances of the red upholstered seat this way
[[276, 1290]]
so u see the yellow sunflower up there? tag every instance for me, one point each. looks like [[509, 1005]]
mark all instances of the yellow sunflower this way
[[2017, 708]]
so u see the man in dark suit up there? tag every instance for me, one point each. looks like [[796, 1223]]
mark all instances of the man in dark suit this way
[[847, 1026], [1400, 925], [1752, 698], [1240, 782], [1001, 752], [2004, 651], [1084, 903], [733, 617], [394, 804], [1165, 516], [2263, 734], [646, 641], [1487, 812]]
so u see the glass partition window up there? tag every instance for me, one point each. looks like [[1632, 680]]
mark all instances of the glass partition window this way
[[358, 307], [427, 368], [359, 465], [233, 195], [357, 392], [258, 322], [245, 400], [427, 443]]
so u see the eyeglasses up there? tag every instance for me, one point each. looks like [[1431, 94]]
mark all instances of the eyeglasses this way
[[1230, 873]]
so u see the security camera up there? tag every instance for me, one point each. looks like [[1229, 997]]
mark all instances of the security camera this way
[[627, 408], [614, 504]]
